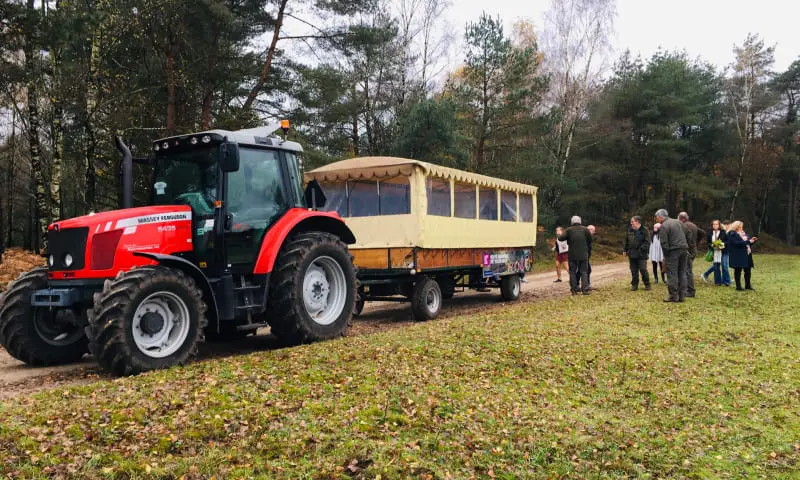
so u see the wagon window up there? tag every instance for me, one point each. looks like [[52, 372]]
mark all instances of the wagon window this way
[[465, 200], [394, 196], [488, 203], [335, 197], [508, 206], [363, 199], [526, 208], [439, 197]]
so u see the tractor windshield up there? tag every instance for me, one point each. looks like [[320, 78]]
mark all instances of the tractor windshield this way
[[187, 178]]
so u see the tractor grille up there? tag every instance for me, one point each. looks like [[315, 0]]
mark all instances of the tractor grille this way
[[68, 241]]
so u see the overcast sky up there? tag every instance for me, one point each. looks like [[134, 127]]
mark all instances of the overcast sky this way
[[705, 28]]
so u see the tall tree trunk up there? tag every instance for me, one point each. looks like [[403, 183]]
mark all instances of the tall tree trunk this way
[[762, 216], [355, 123], [57, 139], [37, 170], [270, 55], [739, 179], [10, 179], [206, 115], [90, 144], [171, 96]]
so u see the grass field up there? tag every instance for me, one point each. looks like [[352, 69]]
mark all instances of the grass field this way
[[613, 385]]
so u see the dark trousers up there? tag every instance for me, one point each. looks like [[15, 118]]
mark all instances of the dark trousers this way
[[690, 277], [589, 271], [579, 268], [737, 271], [675, 261], [639, 266]]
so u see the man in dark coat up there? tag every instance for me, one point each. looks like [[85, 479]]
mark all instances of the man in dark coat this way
[[578, 238], [672, 236], [637, 248], [693, 236]]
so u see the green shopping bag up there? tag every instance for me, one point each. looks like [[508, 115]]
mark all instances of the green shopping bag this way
[[710, 255]]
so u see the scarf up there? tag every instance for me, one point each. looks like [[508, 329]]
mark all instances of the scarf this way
[[745, 238]]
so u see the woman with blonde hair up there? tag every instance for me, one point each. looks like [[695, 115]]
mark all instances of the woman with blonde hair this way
[[738, 243]]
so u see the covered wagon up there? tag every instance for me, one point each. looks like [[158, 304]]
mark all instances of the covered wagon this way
[[425, 231]]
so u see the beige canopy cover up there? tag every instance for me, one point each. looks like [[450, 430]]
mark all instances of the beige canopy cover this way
[[375, 168]]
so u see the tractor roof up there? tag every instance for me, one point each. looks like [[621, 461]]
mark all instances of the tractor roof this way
[[261, 136]]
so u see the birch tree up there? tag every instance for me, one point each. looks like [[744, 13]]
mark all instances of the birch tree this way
[[746, 84], [576, 44]]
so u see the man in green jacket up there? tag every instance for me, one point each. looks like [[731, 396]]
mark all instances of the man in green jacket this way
[[673, 241], [579, 240], [637, 248]]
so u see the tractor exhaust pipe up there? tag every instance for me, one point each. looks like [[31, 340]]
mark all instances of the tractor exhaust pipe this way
[[127, 173]]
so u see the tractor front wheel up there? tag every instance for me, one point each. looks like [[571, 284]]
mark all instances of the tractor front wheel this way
[[148, 318], [35, 335], [313, 291]]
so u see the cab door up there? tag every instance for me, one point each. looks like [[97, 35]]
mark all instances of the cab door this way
[[257, 196]]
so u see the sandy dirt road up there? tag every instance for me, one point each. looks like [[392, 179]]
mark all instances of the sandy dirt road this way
[[17, 378]]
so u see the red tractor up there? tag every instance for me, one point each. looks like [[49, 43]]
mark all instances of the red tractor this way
[[226, 246]]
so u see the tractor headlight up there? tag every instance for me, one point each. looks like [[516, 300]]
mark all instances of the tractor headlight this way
[[51, 261], [68, 260]]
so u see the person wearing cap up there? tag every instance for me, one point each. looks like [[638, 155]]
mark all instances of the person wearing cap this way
[[672, 236], [578, 239], [657, 255]]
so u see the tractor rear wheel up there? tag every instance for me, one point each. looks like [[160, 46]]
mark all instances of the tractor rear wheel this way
[[35, 335], [147, 318], [313, 289]]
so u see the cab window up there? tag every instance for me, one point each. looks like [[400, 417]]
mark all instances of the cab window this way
[[257, 197]]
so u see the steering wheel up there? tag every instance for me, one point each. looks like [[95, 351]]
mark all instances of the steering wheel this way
[[196, 201]]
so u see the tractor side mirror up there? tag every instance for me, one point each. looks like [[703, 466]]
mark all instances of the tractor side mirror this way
[[314, 196], [229, 157]]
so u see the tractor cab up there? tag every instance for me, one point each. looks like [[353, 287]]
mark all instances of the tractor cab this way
[[237, 185], [227, 245]]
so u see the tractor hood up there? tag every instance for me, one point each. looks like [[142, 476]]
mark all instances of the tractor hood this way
[[129, 217], [100, 245]]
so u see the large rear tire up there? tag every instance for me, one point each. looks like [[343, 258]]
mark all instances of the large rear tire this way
[[313, 289], [426, 301], [34, 335], [148, 318]]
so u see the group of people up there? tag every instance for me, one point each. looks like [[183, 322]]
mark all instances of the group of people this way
[[672, 246]]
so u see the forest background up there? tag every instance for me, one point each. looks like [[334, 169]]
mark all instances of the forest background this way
[[542, 104]]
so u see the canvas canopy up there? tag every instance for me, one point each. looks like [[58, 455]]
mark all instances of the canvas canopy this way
[[397, 202], [376, 168]]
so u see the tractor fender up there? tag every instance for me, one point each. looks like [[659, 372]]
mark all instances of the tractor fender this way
[[295, 221], [191, 270]]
